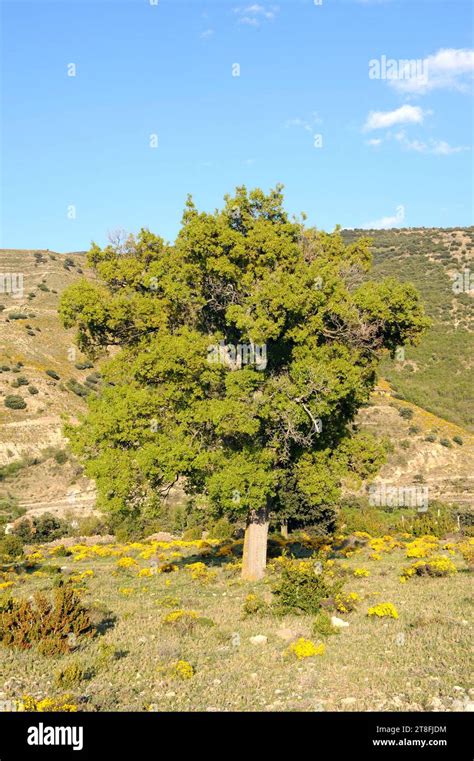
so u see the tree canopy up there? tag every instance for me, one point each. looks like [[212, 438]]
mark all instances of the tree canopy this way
[[245, 350]]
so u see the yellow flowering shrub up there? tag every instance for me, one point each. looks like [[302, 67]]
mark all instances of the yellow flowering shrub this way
[[437, 565], [5, 585], [375, 556], [422, 547], [200, 572], [305, 648], [126, 563], [383, 610], [360, 572], [466, 548], [179, 615], [346, 601], [384, 544], [183, 670], [145, 572], [78, 577], [62, 704]]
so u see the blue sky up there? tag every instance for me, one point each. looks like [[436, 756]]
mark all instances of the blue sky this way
[[77, 152]]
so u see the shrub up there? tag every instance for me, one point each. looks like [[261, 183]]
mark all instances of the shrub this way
[[43, 528], [222, 529], [458, 440], [430, 437], [446, 443], [17, 316], [74, 386], [14, 402], [53, 374], [305, 648], [20, 381], [33, 390], [85, 365], [414, 429], [54, 627], [302, 585], [73, 674], [406, 413], [92, 525], [253, 604], [322, 625], [11, 548], [191, 534], [43, 287], [438, 565], [383, 610], [61, 456]]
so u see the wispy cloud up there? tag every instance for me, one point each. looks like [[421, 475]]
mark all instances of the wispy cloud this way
[[206, 34], [436, 147], [449, 68], [387, 222], [255, 15], [404, 115], [306, 124], [374, 142]]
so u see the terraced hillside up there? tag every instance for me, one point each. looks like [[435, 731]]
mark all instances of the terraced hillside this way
[[437, 375]]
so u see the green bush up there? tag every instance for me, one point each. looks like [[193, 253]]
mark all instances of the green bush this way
[[11, 548], [33, 390], [61, 456], [322, 626], [43, 528], [446, 443], [430, 437], [78, 389], [85, 365], [222, 529], [14, 402], [406, 413], [302, 586], [17, 316], [20, 381], [53, 374], [458, 440]]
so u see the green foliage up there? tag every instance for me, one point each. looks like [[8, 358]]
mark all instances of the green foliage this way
[[406, 412], [11, 548], [222, 529], [14, 402], [73, 674], [42, 528], [446, 443], [302, 586], [53, 374], [54, 627], [458, 440], [61, 456], [17, 316], [239, 433], [33, 390], [322, 626]]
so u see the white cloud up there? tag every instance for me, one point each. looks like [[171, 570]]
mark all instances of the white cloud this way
[[386, 223], [254, 15], [306, 124], [436, 147], [374, 142], [449, 68], [404, 115], [206, 34]]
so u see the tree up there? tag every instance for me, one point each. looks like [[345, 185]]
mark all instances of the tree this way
[[245, 351]]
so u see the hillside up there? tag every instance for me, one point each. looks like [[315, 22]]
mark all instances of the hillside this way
[[437, 375], [435, 379]]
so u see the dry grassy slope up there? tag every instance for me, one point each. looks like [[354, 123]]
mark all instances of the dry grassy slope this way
[[44, 345], [448, 472]]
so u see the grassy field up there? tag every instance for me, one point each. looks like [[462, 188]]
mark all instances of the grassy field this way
[[418, 661]]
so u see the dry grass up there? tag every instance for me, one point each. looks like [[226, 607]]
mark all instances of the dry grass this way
[[418, 662]]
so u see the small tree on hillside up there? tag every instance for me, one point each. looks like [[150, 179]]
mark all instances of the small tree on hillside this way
[[246, 349]]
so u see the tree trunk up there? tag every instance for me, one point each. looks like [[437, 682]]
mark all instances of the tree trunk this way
[[284, 529], [255, 546]]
